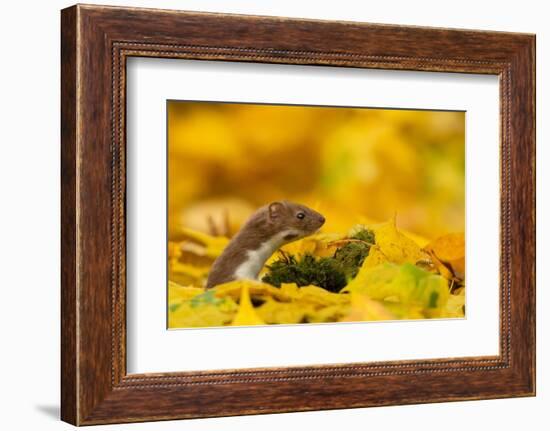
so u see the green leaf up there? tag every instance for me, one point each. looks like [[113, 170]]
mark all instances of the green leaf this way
[[405, 284]]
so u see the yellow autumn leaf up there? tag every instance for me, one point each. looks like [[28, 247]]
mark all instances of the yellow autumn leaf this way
[[312, 294], [448, 254], [194, 272], [212, 246], [406, 284], [256, 289], [177, 292], [409, 311], [302, 246], [246, 316], [364, 308], [455, 304], [283, 312], [331, 313], [376, 257], [394, 245], [318, 245], [203, 310]]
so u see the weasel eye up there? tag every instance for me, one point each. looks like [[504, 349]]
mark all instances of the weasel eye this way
[[300, 215]]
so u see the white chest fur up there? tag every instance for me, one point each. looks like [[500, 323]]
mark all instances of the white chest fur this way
[[256, 259]]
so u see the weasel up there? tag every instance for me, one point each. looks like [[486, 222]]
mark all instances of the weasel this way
[[267, 229]]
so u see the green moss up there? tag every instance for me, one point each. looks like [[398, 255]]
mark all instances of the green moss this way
[[330, 273], [352, 254], [365, 235], [325, 272]]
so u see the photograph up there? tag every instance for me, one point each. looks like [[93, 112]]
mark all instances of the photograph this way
[[296, 214]]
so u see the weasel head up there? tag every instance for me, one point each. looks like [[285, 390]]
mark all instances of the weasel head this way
[[295, 220]]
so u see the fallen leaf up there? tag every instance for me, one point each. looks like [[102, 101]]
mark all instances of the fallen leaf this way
[[211, 246], [177, 292], [317, 295], [364, 308], [395, 245], [256, 289], [282, 312], [203, 314], [397, 280], [448, 254], [455, 305], [375, 257], [188, 274], [246, 316], [406, 284], [331, 313]]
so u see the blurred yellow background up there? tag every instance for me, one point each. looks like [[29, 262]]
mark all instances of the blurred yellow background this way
[[354, 165]]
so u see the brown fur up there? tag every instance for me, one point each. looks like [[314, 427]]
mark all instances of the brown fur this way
[[263, 225]]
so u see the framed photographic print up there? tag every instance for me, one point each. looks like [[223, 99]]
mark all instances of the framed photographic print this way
[[264, 214]]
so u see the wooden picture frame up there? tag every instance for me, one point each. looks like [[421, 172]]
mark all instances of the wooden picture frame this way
[[95, 43]]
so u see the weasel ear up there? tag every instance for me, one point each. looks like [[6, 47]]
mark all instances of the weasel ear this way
[[275, 210]]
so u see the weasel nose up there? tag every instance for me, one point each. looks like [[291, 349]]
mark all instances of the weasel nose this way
[[321, 219]]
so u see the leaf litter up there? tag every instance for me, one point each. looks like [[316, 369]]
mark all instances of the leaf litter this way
[[371, 273]]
